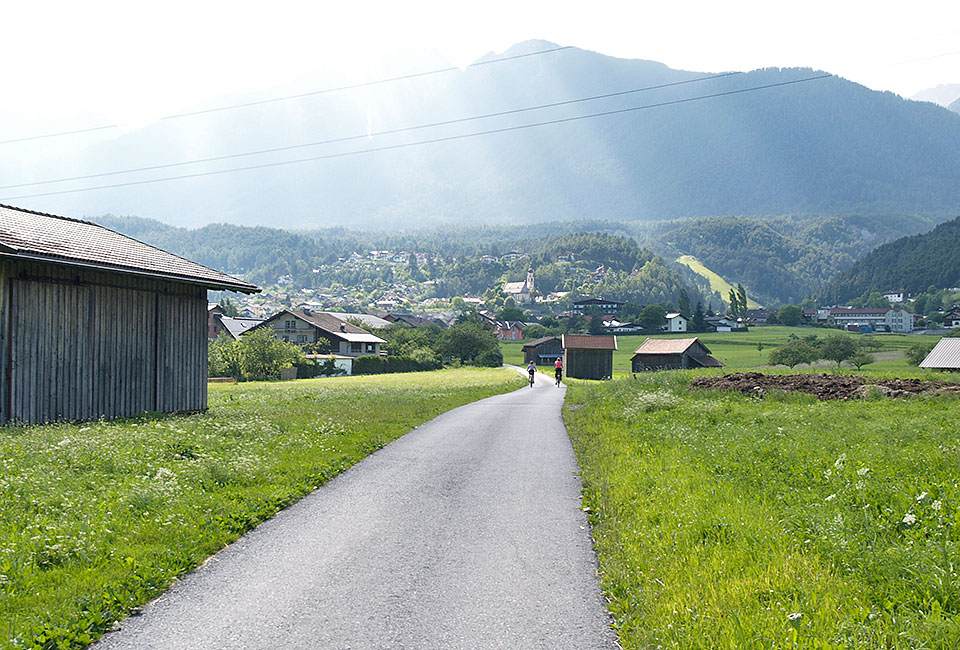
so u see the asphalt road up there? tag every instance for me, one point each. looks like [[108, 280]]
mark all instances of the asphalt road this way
[[465, 533]]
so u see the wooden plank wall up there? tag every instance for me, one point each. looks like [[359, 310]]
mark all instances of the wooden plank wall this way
[[82, 345], [588, 364]]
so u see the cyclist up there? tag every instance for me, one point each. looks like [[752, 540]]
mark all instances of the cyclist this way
[[558, 370], [532, 368]]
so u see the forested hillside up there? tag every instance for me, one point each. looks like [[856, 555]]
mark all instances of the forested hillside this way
[[911, 263], [779, 260], [603, 261]]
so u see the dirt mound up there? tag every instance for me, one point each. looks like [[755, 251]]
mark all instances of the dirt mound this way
[[824, 386]]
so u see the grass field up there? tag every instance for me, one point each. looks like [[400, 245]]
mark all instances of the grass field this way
[[98, 518], [738, 350], [717, 283], [727, 521]]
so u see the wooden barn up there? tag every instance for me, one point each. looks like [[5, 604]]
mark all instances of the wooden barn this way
[[672, 354], [543, 352], [588, 357], [94, 324]]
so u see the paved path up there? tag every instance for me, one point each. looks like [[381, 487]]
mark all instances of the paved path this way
[[465, 533]]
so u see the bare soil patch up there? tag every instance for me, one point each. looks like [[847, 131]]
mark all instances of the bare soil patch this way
[[825, 386]]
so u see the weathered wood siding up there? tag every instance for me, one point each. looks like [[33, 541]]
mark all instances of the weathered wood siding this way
[[80, 345], [550, 349], [588, 364], [642, 362]]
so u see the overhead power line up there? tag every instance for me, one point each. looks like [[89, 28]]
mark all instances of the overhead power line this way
[[426, 142], [362, 136], [285, 98]]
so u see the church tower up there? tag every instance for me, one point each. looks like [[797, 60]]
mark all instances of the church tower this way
[[530, 289]]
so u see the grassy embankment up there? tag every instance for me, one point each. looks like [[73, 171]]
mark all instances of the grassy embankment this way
[[738, 351], [98, 518], [717, 283], [726, 521]]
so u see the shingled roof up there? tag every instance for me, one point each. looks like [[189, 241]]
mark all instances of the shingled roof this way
[[587, 342], [35, 236], [666, 346]]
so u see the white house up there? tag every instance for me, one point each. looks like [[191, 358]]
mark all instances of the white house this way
[[676, 322]]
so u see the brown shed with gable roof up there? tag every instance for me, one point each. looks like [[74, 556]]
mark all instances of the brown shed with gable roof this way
[[94, 324], [588, 357], [672, 354]]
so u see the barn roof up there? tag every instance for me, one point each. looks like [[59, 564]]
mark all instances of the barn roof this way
[[540, 341], [588, 342], [945, 354], [667, 346], [40, 237]]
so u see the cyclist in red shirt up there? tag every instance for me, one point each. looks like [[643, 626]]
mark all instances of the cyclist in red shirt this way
[[558, 370]]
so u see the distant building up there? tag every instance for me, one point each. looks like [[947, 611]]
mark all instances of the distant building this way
[[588, 357], [896, 296], [951, 319], [606, 306], [672, 354], [676, 322], [521, 292], [303, 328], [893, 320], [510, 330]]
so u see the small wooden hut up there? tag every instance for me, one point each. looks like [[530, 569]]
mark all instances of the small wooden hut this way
[[94, 324], [588, 357], [672, 354], [543, 352]]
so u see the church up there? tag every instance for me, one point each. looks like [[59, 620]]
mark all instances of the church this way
[[521, 292]]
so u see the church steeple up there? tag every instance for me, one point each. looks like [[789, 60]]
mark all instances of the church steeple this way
[[530, 283]]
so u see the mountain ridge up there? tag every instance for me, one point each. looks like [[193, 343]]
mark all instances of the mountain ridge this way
[[827, 146]]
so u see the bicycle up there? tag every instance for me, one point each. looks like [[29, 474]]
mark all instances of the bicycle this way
[[531, 380], [559, 376]]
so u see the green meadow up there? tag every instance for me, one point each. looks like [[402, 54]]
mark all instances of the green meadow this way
[[739, 350], [98, 518], [728, 521]]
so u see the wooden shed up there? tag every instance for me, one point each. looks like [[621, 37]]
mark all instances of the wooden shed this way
[[543, 352], [588, 357], [94, 324], [672, 354]]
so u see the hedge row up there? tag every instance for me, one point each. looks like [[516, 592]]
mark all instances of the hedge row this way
[[380, 365]]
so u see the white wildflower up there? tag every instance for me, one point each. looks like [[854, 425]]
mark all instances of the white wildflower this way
[[840, 462], [863, 471], [909, 519], [937, 505], [831, 497], [796, 616], [921, 496]]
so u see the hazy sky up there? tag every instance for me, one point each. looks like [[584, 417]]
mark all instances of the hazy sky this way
[[130, 61]]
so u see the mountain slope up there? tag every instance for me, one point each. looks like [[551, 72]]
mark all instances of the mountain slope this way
[[911, 263], [779, 260], [827, 146]]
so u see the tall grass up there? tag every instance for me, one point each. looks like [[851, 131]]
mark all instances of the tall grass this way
[[97, 518], [726, 521]]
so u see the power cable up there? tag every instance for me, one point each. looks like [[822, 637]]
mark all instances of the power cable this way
[[425, 142], [325, 91], [369, 135]]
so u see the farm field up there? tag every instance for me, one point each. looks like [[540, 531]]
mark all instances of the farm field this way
[[738, 351], [97, 518], [727, 521]]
